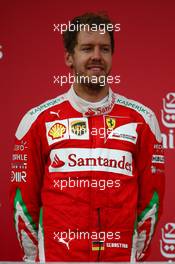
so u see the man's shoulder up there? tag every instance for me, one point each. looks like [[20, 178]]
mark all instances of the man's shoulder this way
[[32, 115], [136, 106], [148, 116], [47, 105]]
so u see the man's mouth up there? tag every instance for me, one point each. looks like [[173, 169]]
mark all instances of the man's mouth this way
[[95, 68]]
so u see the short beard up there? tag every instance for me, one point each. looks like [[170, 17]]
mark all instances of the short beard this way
[[94, 83], [94, 86]]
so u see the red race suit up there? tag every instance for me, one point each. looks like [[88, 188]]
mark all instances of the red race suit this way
[[87, 179]]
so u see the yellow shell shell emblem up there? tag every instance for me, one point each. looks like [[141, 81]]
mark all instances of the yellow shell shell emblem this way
[[57, 131], [110, 122]]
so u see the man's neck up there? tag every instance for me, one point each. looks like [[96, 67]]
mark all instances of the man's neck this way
[[91, 94]]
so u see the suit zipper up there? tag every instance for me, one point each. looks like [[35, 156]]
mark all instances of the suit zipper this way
[[99, 225]]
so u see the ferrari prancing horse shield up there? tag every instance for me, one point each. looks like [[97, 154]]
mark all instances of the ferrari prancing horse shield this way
[[110, 122]]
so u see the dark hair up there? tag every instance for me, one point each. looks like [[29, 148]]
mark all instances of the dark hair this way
[[70, 35]]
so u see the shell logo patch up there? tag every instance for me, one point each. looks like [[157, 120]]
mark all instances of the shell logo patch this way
[[57, 131], [66, 129]]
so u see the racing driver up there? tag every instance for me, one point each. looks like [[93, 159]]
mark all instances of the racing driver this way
[[78, 194]]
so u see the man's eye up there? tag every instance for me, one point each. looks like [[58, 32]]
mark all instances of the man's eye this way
[[86, 49], [106, 49]]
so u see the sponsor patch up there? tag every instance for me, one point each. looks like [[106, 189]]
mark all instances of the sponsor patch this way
[[72, 128], [78, 128], [57, 131], [57, 163], [18, 176], [21, 146], [97, 159], [158, 159], [156, 170], [110, 122], [125, 132], [19, 165]]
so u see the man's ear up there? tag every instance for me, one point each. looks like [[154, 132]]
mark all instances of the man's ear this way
[[68, 59]]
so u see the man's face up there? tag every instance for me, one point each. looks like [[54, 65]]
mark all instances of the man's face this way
[[92, 55]]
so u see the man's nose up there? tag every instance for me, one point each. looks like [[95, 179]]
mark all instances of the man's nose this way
[[96, 55]]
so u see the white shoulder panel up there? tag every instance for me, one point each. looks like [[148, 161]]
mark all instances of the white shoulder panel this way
[[32, 115], [144, 111]]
